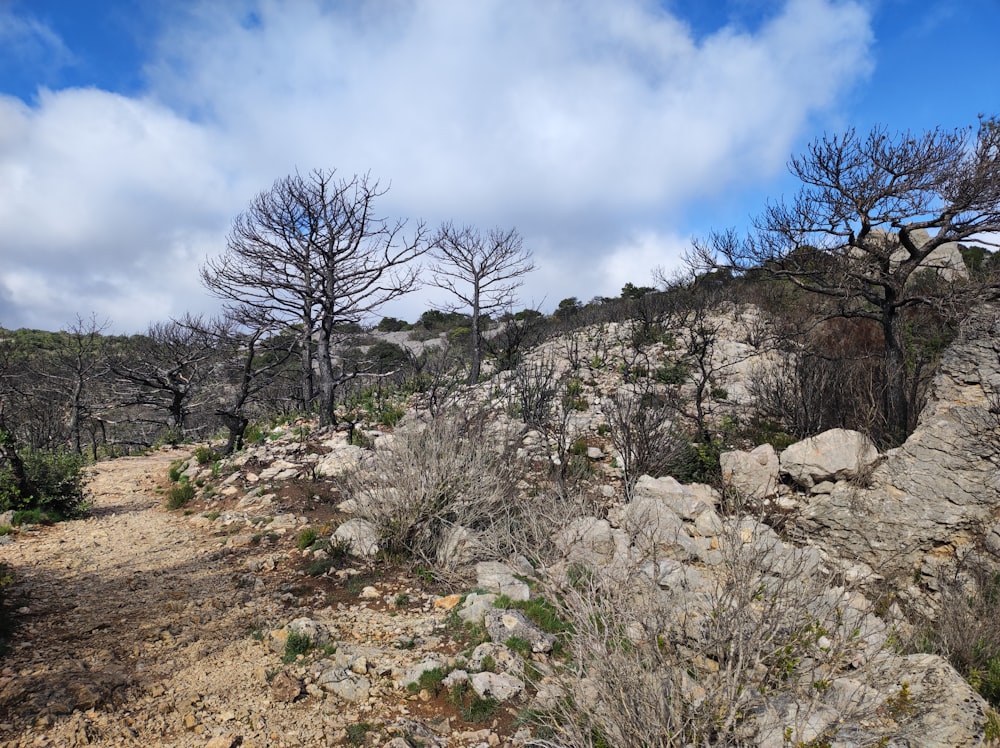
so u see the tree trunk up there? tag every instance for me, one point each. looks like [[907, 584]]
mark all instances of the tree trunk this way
[[327, 383], [476, 346], [895, 405], [308, 390]]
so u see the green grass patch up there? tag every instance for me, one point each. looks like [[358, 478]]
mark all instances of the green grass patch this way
[[306, 537]]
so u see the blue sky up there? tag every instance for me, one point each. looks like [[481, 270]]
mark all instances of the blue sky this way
[[609, 133]]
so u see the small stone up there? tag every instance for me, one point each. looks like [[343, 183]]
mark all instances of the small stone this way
[[285, 688], [448, 602]]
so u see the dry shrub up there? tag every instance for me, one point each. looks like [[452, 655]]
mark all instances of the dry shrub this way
[[768, 653], [452, 471], [645, 434]]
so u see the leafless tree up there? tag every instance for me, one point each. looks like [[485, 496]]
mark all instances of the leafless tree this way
[[482, 272], [79, 361], [311, 252], [250, 357], [858, 231], [163, 370]]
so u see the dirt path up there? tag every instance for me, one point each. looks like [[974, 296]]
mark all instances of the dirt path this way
[[145, 627], [135, 630]]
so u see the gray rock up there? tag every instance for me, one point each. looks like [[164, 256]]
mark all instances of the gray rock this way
[[475, 606], [317, 632], [499, 578], [457, 548], [361, 535], [654, 529], [837, 454], [504, 660], [942, 482], [343, 459], [591, 541], [752, 474], [687, 502], [501, 625], [413, 674], [345, 685], [499, 686], [949, 711]]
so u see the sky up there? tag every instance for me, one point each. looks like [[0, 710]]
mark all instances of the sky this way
[[609, 133]]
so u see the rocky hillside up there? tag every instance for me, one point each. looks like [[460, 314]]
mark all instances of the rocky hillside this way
[[480, 577]]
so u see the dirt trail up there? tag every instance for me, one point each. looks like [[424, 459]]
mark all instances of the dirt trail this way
[[135, 631]]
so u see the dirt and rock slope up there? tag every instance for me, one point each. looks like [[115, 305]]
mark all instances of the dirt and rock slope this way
[[141, 626]]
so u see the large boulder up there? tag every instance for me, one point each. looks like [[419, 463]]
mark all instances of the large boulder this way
[[687, 502], [837, 454], [752, 474], [654, 529]]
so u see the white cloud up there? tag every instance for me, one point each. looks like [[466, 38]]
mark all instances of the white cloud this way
[[583, 124]]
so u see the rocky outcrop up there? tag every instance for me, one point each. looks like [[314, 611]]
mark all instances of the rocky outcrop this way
[[752, 474], [837, 454], [941, 483]]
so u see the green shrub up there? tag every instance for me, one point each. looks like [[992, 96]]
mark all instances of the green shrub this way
[[471, 705], [176, 470], [205, 454], [306, 537], [429, 680], [296, 644], [699, 463], [54, 485], [254, 434], [356, 733], [180, 495]]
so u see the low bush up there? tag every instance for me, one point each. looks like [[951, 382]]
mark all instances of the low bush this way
[[54, 485], [180, 494], [296, 644], [204, 454], [453, 471], [964, 629], [762, 656]]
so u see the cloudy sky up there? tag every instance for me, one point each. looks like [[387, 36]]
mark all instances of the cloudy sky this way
[[608, 132]]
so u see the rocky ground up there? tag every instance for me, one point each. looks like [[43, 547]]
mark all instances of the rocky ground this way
[[143, 626]]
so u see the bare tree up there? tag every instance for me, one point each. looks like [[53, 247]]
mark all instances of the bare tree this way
[[482, 272], [250, 357], [858, 232], [163, 370], [79, 360], [311, 252]]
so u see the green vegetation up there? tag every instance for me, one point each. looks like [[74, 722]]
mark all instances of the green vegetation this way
[[51, 489], [296, 644], [180, 494], [306, 537]]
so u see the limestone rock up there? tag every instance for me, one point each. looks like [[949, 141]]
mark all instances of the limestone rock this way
[[499, 578], [318, 633], [591, 540], [837, 454], [475, 606], [458, 547], [654, 529], [499, 686], [361, 535], [285, 687], [949, 711], [752, 474], [501, 625], [687, 502]]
